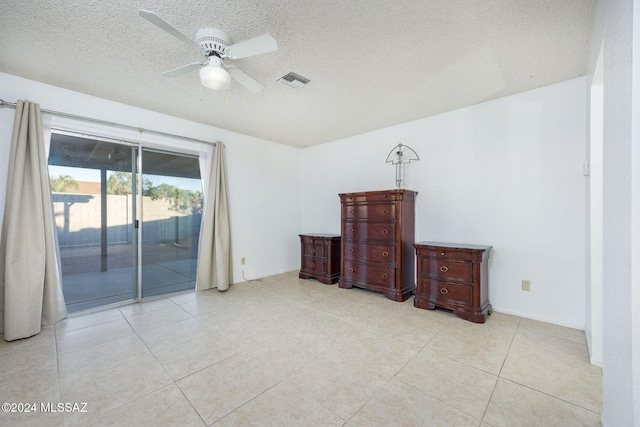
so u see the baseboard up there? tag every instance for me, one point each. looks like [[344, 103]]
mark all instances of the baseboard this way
[[247, 278], [595, 362], [540, 319], [592, 360]]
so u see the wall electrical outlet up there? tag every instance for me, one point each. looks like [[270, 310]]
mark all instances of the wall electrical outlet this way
[[242, 261], [526, 285]]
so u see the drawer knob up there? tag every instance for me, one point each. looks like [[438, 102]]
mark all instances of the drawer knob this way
[[352, 230], [351, 250], [385, 253], [444, 269], [385, 231], [313, 265], [313, 251], [352, 211], [444, 291], [351, 270], [386, 211], [385, 276], [442, 254]]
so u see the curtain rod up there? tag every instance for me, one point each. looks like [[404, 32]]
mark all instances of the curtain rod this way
[[104, 122]]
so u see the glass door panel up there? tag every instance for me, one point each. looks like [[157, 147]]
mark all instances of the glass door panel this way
[[171, 214], [94, 205]]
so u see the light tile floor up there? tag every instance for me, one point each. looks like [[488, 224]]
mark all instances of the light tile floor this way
[[291, 352]]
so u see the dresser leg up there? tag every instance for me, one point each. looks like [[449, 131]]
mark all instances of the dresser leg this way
[[474, 316], [344, 285], [422, 304]]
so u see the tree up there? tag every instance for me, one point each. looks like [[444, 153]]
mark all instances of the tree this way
[[120, 183], [60, 184], [179, 199]]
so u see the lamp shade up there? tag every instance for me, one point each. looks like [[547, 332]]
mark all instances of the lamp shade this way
[[214, 77]]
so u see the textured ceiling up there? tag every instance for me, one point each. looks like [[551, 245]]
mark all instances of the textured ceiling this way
[[372, 63]]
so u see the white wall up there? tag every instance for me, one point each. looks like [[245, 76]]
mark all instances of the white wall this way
[[594, 219], [506, 173], [594, 196], [618, 30], [263, 176]]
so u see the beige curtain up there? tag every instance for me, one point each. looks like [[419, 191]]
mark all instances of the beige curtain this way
[[30, 273], [214, 250]]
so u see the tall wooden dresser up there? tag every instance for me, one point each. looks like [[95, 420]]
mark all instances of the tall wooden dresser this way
[[377, 242]]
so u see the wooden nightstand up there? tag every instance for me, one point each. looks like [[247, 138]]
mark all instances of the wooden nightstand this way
[[455, 277], [320, 255]]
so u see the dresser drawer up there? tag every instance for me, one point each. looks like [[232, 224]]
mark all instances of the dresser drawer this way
[[381, 254], [445, 292], [369, 197], [314, 265], [445, 269], [369, 231], [370, 211], [367, 273]]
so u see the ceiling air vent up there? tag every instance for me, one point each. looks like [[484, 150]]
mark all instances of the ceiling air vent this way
[[293, 80]]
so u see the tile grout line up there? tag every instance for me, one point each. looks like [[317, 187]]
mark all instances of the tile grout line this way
[[534, 389], [552, 396], [55, 337], [247, 402], [500, 371]]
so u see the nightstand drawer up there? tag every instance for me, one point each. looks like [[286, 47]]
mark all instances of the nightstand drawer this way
[[445, 292], [314, 265], [446, 254], [313, 249], [445, 269]]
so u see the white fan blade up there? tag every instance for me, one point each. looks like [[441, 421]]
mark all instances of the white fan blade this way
[[246, 80], [255, 46], [183, 70], [156, 20]]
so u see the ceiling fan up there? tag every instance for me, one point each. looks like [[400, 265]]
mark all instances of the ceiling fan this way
[[215, 45]]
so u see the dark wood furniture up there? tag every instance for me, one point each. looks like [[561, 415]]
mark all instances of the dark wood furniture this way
[[455, 277], [320, 257], [377, 242]]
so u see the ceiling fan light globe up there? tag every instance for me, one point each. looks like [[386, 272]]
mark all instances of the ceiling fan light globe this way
[[215, 78]]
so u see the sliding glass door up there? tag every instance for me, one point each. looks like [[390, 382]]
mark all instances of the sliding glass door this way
[[102, 191], [171, 213], [94, 204]]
